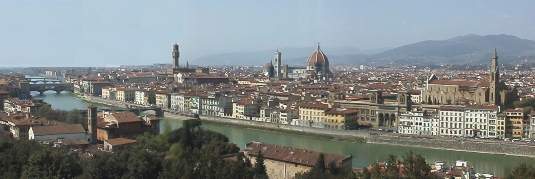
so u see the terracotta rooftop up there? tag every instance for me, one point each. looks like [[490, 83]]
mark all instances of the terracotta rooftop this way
[[464, 83], [293, 155], [120, 141], [58, 129], [125, 117], [314, 105]]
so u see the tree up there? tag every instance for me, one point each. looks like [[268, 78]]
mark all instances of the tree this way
[[319, 167], [259, 167], [319, 171], [415, 166], [392, 167], [142, 164], [50, 163], [522, 171], [153, 156], [151, 97]]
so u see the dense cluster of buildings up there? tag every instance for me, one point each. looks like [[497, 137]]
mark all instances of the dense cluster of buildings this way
[[402, 100], [406, 100], [108, 128]]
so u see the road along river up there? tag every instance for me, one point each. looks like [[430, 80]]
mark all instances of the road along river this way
[[363, 153]]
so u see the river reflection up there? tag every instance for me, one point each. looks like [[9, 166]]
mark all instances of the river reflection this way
[[63, 101], [363, 154]]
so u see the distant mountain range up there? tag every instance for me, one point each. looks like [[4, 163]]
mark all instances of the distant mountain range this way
[[467, 49]]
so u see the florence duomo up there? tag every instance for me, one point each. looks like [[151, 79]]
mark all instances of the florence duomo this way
[[316, 68], [243, 90]]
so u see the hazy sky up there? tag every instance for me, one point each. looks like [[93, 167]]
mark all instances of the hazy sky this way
[[114, 32]]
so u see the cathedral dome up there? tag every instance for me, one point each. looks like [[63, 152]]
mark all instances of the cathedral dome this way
[[318, 58]]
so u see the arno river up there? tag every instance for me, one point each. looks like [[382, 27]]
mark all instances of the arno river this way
[[362, 153]]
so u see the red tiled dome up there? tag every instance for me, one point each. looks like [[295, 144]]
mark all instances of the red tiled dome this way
[[318, 58]]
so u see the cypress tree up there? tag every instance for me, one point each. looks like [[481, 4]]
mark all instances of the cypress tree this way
[[260, 167]]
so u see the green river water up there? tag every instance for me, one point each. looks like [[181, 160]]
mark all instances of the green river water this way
[[362, 153]]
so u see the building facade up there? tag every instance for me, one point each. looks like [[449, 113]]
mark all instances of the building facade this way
[[459, 91]]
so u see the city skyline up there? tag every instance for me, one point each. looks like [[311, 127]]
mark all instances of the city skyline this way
[[88, 33]]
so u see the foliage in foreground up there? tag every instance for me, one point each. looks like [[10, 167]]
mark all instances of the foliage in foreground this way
[[189, 152], [321, 171], [414, 167], [522, 171]]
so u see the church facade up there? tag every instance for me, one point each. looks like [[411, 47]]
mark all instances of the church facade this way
[[459, 92]]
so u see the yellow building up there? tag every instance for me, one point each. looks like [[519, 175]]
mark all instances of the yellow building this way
[[312, 114], [125, 95], [341, 118], [163, 99]]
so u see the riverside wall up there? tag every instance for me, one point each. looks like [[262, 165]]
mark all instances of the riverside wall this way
[[441, 143], [457, 144]]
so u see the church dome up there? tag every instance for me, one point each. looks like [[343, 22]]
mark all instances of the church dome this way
[[318, 58]]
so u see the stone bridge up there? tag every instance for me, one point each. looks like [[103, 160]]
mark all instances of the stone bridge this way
[[41, 84], [137, 109]]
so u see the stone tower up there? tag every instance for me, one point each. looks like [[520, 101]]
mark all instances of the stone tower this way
[[176, 55], [494, 80], [277, 64], [92, 124]]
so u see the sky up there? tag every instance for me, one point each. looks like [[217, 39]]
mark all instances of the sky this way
[[140, 32]]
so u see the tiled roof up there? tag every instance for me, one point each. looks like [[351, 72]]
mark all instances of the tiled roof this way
[[465, 83], [293, 155], [58, 129], [314, 105], [120, 141], [125, 117]]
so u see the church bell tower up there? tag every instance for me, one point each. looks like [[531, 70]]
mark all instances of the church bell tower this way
[[176, 56], [494, 80]]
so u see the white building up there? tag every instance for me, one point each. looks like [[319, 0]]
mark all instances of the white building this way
[[210, 105], [416, 123], [108, 93], [180, 102], [532, 125], [141, 97], [175, 98], [475, 121]]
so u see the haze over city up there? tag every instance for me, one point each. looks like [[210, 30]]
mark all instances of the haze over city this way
[[112, 33], [304, 89]]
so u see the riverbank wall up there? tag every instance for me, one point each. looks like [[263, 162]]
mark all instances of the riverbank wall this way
[[457, 145], [439, 143], [354, 136]]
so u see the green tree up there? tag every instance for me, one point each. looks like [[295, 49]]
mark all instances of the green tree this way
[[392, 167], [259, 167], [522, 171], [319, 171], [143, 164], [415, 166], [50, 163], [319, 167]]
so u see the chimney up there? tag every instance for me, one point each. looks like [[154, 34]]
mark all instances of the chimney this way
[[92, 124]]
